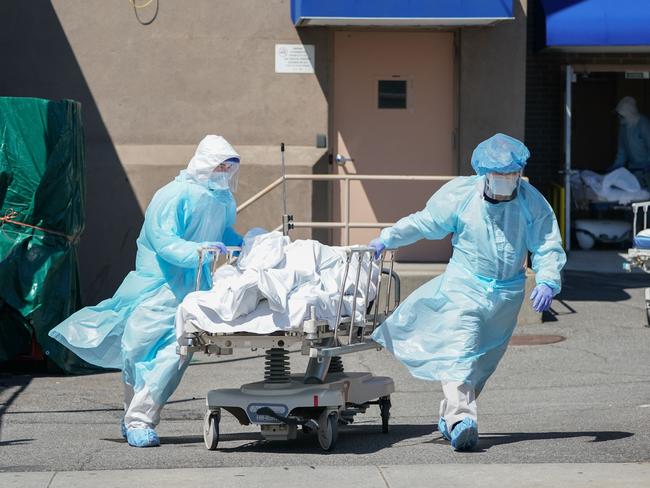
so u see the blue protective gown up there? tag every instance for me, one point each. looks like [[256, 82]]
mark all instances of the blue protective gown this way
[[457, 326], [134, 330], [634, 146]]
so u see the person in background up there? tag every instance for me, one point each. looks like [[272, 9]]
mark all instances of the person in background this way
[[134, 330], [456, 327], [633, 141]]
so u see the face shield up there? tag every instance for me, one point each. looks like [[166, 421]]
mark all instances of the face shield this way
[[225, 176], [502, 186]]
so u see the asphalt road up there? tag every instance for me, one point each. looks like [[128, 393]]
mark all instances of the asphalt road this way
[[583, 400]]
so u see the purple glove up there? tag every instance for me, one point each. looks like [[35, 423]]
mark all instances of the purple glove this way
[[216, 245], [378, 246], [542, 296]]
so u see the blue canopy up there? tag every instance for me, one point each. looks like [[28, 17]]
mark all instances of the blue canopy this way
[[399, 12], [595, 23]]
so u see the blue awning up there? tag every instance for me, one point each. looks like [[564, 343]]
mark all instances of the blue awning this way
[[399, 12], [583, 24]]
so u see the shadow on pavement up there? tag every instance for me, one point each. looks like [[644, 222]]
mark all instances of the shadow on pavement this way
[[102, 409], [600, 287], [20, 383], [366, 439], [196, 439], [353, 439], [15, 442], [487, 441]]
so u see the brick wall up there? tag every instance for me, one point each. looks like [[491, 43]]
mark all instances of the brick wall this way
[[545, 99]]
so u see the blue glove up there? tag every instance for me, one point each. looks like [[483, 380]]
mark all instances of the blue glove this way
[[542, 296], [216, 245], [378, 246]]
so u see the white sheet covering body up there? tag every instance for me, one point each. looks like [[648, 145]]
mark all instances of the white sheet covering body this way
[[273, 287], [617, 186]]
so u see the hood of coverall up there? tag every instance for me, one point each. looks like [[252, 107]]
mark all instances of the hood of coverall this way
[[211, 152], [628, 110]]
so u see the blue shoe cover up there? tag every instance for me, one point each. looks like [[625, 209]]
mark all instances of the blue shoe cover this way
[[442, 428], [142, 438], [123, 428], [464, 436]]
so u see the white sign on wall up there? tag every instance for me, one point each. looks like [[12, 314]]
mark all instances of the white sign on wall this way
[[295, 58]]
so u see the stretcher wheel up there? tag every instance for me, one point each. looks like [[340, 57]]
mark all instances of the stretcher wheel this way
[[211, 429], [328, 431], [384, 409]]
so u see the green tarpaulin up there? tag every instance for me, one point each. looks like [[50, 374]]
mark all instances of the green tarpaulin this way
[[42, 216]]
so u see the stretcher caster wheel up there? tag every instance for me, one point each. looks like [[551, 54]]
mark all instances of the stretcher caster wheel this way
[[384, 409], [310, 427], [328, 430], [211, 429]]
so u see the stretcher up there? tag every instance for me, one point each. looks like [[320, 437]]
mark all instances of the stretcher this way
[[325, 395], [638, 256]]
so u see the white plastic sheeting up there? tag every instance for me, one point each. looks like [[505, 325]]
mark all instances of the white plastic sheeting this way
[[617, 186], [273, 287]]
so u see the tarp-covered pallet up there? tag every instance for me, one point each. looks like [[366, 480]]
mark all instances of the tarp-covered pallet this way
[[41, 218]]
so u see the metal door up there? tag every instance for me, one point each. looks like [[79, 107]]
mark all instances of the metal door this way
[[393, 113]]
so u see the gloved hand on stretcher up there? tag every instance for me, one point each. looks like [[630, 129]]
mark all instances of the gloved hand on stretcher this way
[[378, 246], [215, 245]]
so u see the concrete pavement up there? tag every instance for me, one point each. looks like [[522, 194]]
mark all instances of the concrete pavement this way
[[583, 400], [490, 476]]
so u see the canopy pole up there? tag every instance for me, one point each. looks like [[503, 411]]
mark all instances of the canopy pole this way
[[567, 155]]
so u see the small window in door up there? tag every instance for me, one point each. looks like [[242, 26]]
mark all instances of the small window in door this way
[[391, 94]]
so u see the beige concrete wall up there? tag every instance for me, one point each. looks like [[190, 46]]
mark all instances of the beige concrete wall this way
[[201, 66], [149, 93], [492, 82], [153, 166]]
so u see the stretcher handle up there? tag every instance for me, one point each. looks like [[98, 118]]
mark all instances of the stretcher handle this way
[[360, 252], [391, 276], [341, 297], [215, 252], [360, 256]]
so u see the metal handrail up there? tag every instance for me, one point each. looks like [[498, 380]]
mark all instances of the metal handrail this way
[[346, 224]]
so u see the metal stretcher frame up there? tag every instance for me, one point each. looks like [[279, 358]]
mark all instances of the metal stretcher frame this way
[[639, 257], [312, 333], [325, 395]]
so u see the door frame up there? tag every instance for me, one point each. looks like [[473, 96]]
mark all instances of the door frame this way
[[570, 71]]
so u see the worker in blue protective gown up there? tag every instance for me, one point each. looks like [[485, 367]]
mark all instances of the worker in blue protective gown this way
[[134, 330], [456, 327], [633, 150]]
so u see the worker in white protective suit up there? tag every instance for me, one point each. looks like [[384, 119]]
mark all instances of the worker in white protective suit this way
[[456, 328], [134, 330], [633, 141]]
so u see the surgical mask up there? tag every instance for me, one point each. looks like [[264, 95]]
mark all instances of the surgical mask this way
[[501, 186], [219, 181], [224, 178]]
